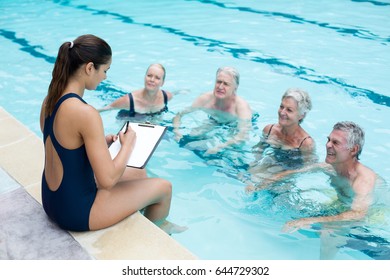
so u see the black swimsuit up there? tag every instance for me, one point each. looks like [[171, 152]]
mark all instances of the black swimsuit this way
[[133, 113], [70, 205], [288, 158]]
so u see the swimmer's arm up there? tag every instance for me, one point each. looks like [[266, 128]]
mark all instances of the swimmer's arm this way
[[107, 171], [268, 182], [358, 211], [169, 95], [120, 103], [363, 187], [349, 215], [176, 122], [202, 100], [244, 126], [258, 149], [287, 173], [177, 92]]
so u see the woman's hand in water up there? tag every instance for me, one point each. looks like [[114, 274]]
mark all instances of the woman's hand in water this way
[[295, 225]]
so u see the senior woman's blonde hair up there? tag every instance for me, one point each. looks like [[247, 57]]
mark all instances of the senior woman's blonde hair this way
[[159, 65]]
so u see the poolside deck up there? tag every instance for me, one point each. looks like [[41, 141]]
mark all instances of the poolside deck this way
[[25, 225]]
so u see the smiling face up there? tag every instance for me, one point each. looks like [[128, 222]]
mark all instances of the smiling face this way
[[225, 86], [337, 150], [154, 78], [288, 112]]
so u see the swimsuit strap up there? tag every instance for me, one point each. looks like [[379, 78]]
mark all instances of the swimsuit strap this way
[[62, 99], [269, 132], [49, 121], [165, 101], [132, 112], [303, 141], [300, 145], [131, 101], [165, 97]]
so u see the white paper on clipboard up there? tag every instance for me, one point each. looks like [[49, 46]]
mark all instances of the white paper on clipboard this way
[[148, 137]]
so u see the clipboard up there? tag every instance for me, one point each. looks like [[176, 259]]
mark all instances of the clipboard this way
[[148, 137]]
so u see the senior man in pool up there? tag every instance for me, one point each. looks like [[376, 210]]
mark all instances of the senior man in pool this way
[[223, 106], [353, 181]]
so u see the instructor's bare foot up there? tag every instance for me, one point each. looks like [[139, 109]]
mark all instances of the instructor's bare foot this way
[[171, 228]]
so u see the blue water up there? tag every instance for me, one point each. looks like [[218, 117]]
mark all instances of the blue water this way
[[336, 50]]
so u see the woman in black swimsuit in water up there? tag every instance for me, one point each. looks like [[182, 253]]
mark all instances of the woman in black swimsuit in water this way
[[149, 100], [285, 145]]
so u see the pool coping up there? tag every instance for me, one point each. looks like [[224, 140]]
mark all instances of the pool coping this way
[[134, 238]]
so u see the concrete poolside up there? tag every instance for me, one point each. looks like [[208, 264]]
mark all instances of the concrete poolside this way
[[25, 223]]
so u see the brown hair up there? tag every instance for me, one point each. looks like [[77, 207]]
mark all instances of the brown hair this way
[[71, 55]]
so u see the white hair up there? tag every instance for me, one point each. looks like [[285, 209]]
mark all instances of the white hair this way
[[231, 71], [302, 98], [355, 134]]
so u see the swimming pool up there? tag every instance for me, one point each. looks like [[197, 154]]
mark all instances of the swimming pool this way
[[336, 50]]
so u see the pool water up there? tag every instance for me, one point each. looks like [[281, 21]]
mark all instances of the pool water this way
[[338, 51]]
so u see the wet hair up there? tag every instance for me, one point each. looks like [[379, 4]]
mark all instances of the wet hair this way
[[355, 135], [231, 71], [71, 56], [302, 98], [159, 65]]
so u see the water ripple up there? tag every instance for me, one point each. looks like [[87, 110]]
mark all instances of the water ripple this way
[[376, 3], [360, 33], [212, 45], [36, 52], [240, 52]]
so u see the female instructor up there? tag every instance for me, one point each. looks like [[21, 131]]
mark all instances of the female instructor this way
[[82, 187]]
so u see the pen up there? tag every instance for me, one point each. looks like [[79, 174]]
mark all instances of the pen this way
[[127, 126]]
